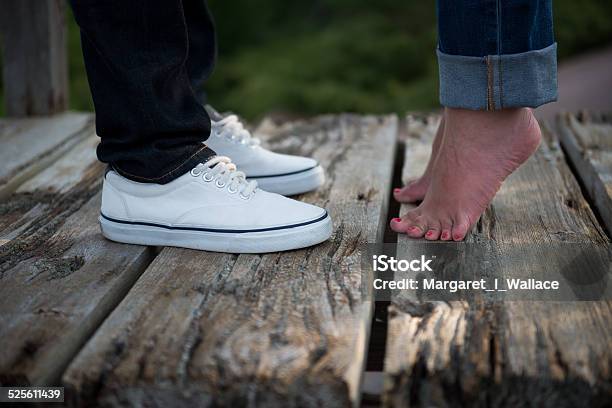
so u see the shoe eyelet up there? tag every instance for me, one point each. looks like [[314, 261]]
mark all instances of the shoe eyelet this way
[[244, 197], [208, 179], [194, 173], [219, 184], [232, 190]]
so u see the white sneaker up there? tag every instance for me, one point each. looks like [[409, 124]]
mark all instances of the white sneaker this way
[[213, 208], [278, 173]]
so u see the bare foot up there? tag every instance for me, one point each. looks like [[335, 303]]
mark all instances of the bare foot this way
[[479, 150], [415, 189]]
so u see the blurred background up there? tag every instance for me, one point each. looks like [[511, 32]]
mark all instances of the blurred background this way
[[300, 58]]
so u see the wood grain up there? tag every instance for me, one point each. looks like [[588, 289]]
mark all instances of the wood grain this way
[[588, 142], [477, 352], [282, 329], [35, 69], [30, 145], [59, 277]]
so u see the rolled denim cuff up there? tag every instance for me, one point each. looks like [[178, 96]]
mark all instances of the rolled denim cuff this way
[[493, 82]]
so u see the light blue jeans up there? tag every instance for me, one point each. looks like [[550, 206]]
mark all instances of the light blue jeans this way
[[495, 54]]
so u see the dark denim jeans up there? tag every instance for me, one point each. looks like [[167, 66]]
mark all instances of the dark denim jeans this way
[[496, 54], [144, 58]]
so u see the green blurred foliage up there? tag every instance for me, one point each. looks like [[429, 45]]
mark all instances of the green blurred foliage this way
[[298, 57], [324, 56]]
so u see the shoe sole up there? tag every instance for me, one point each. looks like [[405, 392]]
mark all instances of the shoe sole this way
[[250, 241], [292, 184]]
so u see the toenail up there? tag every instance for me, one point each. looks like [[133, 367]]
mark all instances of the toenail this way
[[429, 233], [397, 219], [397, 190], [445, 235]]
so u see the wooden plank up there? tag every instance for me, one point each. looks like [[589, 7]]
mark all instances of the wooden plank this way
[[516, 353], [282, 329], [588, 143], [35, 71], [78, 169], [31, 145], [59, 278]]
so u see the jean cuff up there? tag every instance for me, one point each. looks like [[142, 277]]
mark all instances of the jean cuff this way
[[493, 82], [201, 155]]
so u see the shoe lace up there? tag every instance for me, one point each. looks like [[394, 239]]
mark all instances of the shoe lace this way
[[224, 172], [231, 128]]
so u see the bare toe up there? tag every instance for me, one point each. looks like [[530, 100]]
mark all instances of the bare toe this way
[[460, 230], [416, 231], [413, 191], [446, 235], [398, 225], [417, 225], [447, 227], [433, 234], [407, 220]]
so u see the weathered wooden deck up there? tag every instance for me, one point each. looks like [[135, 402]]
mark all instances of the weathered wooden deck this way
[[125, 325]]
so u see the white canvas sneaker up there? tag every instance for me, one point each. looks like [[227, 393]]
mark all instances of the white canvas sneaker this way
[[213, 208], [278, 173]]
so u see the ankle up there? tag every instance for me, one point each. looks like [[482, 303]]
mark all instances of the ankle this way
[[506, 116], [516, 123]]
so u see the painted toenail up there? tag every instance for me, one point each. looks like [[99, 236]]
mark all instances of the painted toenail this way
[[397, 219], [397, 190], [429, 233], [445, 235]]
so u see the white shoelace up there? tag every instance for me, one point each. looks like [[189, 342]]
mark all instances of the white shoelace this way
[[221, 170], [231, 128]]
